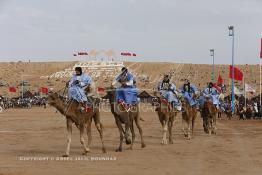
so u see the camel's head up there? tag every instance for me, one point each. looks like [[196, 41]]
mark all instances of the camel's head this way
[[52, 98], [158, 94]]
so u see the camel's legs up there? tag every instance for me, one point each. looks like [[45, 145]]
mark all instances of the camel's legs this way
[[82, 140], [193, 121], [99, 128], [165, 128], [118, 123], [127, 127], [137, 120], [133, 132], [88, 132], [69, 124], [183, 125], [170, 126]]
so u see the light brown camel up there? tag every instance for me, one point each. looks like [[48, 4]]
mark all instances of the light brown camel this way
[[209, 114], [82, 120], [122, 116], [166, 115], [188, 116]]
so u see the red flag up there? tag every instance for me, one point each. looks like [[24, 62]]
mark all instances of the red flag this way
[[238, 74], [217, 88], [100, 89], [75, 55], [12, 89], [44, 90], [220, 81], [134, 55], [261, 49]]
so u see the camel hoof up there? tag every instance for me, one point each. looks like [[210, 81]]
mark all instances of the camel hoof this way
[[128, 141], [103, 150], [65, 155], [143, 145], [164, 142], [119, 150], [171, 142], [130, 148]]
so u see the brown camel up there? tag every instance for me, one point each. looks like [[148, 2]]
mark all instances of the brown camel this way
[[188, 116], [122, 116], [82, 120], [209, 114], [166, 115]]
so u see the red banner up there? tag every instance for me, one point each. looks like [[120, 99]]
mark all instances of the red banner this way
[[100, 89], [12, 89], [82, 53], [220, 81], [238, 74], [44, 90]]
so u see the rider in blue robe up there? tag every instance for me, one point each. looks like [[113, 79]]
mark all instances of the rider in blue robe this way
[[188, 90], [212, 94], [126, 90], [77, 84], [168, 91]]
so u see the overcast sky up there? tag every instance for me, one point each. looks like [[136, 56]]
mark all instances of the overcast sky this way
[[157, 30]]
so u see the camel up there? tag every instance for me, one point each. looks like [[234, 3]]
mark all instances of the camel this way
[[166, 115], [82, 120], [127, 118], [188, 116], [209, 114]]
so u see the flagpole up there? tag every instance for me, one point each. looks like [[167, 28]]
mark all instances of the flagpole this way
[[260, 83], [231, 33]]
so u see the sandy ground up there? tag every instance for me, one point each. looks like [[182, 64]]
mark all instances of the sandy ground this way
[[41, 134]]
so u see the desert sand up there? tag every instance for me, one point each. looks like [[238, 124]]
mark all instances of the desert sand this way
[[40, 134]]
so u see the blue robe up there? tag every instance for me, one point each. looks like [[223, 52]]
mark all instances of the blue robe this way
[[168, 92], [76, 91], [129, 93], [212, 94], [188, 95]]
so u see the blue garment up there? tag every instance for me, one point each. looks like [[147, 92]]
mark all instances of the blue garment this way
[[76, 91], [128, 93], [188, 95], [168, 92], [212, 94]]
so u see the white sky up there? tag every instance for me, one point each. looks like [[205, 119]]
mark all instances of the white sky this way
[[157, 30]]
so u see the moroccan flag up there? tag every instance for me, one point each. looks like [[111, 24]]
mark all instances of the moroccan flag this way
[[134, 55], [238, 74], [75, 55], [44, 90], [12, 89], [220, 81], [261, 49]]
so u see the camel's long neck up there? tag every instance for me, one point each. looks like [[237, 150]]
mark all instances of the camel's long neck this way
[[60, 106]]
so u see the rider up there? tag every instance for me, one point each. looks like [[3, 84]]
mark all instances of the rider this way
[[168, 91], [77, 85], [212, 94], [126, 93], [188, 91]]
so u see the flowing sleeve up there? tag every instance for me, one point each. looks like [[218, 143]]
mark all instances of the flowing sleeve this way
[[86, 80]]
